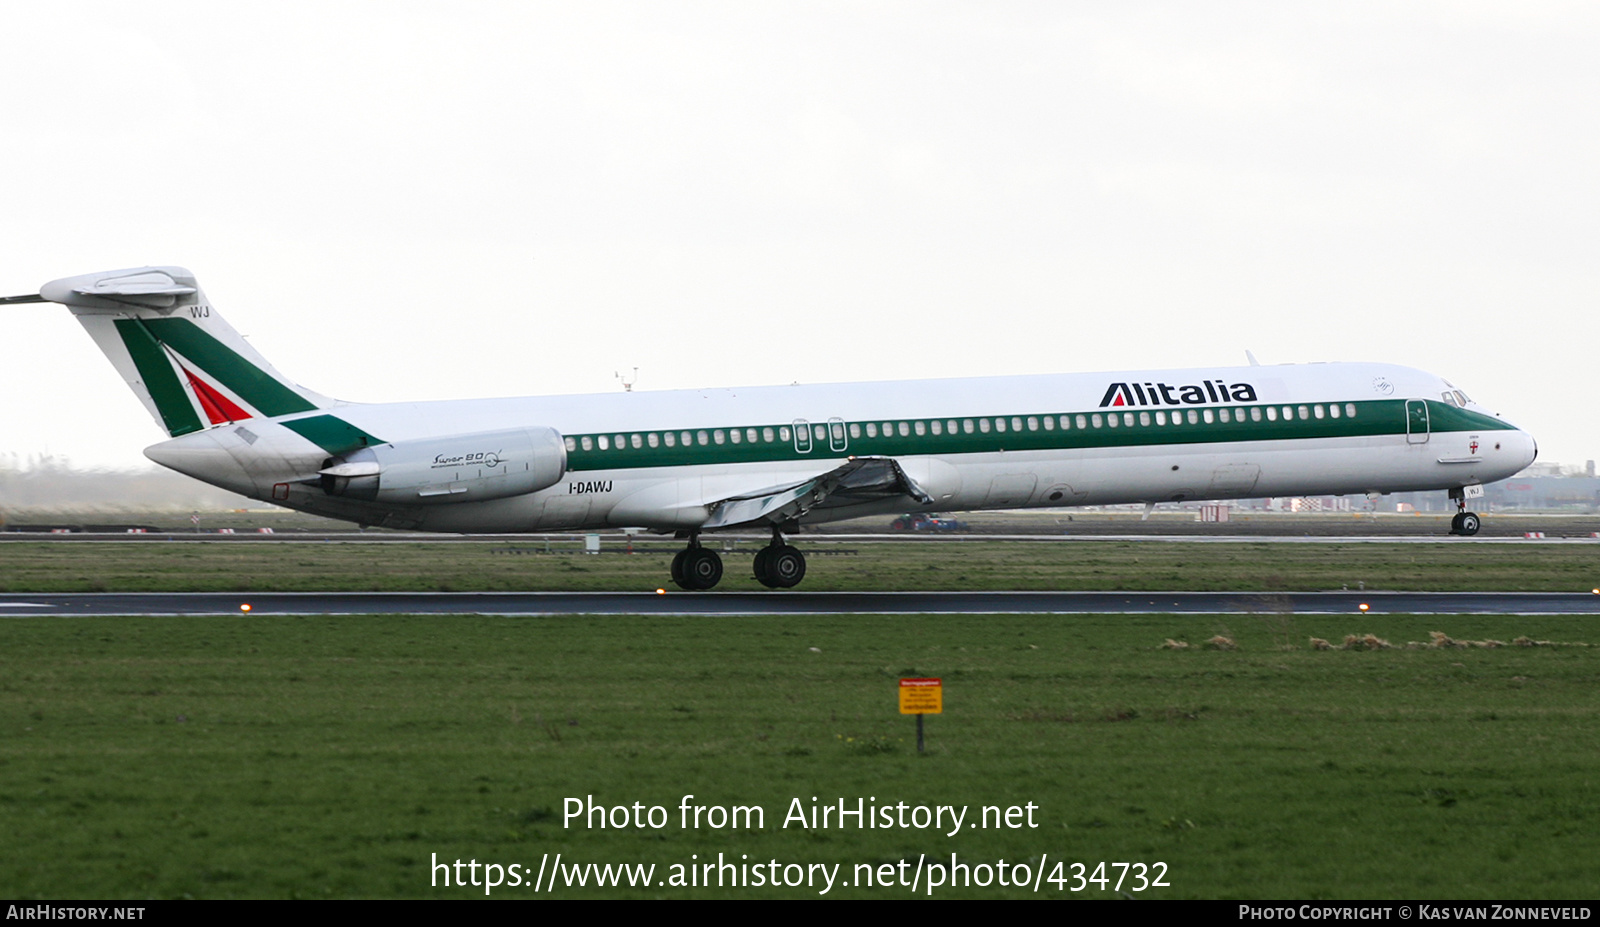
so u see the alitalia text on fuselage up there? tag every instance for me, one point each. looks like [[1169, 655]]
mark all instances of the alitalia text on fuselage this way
[[1164, 394]]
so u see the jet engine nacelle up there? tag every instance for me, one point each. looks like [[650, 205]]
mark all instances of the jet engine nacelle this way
[[459, 468]]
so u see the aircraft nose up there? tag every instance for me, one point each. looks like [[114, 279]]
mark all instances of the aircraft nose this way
[[1529, 449]]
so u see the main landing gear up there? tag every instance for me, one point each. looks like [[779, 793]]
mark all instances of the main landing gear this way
[[696, 567], [777, 566], [1464, 523]]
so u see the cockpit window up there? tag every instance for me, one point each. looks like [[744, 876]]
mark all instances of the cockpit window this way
[[1462, 398]]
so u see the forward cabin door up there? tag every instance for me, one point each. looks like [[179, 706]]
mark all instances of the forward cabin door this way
[[1416, 421]]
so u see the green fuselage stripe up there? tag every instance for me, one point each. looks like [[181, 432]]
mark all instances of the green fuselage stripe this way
[[160, 380], [1374, 418], [249, 382]]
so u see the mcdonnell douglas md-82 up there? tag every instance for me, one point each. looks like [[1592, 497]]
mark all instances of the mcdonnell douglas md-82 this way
[[775, 458]]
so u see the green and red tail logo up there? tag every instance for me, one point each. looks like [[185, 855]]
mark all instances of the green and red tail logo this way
[[196, 381]]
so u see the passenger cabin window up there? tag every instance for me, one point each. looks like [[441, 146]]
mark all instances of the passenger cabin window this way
[[587, 443], [571, 443], [605, 444], [670, 438], [1161, 418], [983, 425], [1095, 419], [653, 439], [1349, 410]]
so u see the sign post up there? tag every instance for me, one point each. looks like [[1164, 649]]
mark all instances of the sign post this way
[[921, 697]]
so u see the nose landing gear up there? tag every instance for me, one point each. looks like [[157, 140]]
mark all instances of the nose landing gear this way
[[1464, 523]]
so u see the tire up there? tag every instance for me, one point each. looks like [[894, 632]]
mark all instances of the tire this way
[[677, 568], [1455, 523], [1470, 523], [763, 569], [702, 569], [786, 567]]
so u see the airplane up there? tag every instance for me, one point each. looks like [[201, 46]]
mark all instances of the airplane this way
[[774, 458]]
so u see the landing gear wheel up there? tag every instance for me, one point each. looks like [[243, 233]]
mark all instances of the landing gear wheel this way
[[1455, 522], [1469, 524], [780, 566], [677, 568], [701, 569]]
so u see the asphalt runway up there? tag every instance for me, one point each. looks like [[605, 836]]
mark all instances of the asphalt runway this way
[[818, 544], [759, 604]]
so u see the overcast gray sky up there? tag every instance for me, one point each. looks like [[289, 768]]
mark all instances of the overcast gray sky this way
[[411, 201]]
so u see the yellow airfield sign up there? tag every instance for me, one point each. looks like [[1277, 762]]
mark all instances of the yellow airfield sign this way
[[921, 696]]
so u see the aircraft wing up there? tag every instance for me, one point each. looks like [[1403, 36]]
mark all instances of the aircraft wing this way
[[857, 480]]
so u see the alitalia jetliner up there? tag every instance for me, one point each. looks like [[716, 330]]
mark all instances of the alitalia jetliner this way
[[776, 457]]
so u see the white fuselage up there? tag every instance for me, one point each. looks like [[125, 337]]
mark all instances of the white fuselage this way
[[990, 443]]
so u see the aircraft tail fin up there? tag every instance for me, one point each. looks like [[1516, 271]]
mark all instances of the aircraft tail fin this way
[[188, 366]]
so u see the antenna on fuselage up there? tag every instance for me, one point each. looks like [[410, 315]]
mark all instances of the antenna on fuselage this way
[[627, 384], [1251, 358]]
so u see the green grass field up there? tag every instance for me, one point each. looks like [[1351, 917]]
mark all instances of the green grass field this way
[[332, 757], [922, 564]]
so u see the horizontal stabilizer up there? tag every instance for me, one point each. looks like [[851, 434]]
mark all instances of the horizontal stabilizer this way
[[858, 480], [146, 286]]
